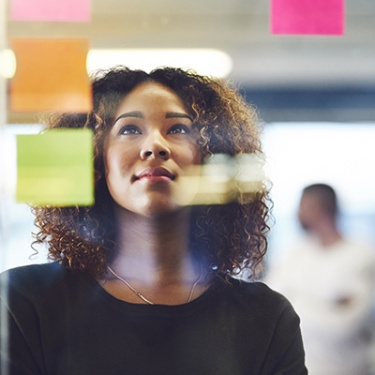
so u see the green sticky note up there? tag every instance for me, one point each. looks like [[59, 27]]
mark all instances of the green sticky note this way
[[55, 168]]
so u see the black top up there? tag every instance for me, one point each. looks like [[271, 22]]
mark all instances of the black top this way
[[64, 323]]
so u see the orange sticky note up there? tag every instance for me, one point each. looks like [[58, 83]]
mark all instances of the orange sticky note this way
[[51, 75]]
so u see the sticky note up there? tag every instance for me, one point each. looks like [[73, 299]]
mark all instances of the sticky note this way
[[314, 17], [50, 10], [51, 75], [55, 168]]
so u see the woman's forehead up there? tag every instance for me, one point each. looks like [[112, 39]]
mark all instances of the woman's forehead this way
[[151, 94]]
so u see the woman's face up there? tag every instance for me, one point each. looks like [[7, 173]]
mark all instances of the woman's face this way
[[149, 149]]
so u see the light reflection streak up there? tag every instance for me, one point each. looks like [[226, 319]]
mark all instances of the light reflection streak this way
[[222, 179]]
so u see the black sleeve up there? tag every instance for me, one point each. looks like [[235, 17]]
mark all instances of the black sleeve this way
[[286, 353], [20, 349]]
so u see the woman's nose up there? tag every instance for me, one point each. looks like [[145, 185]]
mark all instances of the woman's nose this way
[[155, 147]]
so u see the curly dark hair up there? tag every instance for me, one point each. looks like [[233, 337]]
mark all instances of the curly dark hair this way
[[231, 237]]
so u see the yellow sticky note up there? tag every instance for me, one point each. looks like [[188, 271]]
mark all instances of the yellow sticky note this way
[[51, 76], [55, 168]]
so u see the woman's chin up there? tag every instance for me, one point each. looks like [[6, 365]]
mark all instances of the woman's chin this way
[[159, 211], [156, 209]]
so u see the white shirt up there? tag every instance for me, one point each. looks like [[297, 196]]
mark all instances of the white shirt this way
[[316, 280]]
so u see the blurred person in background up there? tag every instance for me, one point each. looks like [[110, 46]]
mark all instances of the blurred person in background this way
[[329, 280]]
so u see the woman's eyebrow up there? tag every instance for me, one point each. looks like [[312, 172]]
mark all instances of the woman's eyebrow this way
[[178, 115], [139, 114], [130, 114]]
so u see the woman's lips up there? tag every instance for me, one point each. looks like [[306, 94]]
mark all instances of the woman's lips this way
[[156, 174]]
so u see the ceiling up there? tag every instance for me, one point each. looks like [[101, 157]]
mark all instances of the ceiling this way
[[293, 78]]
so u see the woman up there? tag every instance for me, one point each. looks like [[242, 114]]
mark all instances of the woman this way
[[143, 284]]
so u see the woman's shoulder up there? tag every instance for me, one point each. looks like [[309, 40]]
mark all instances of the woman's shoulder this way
[[35, 277], [43, 287], [257, 302], [39, 271], [253, 289], [257, 295]]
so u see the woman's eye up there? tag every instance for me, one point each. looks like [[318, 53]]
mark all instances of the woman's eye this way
[[179, 129], [129, 130]]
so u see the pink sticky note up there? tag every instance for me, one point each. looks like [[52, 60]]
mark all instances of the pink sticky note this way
[[314, 17], [50, 10]]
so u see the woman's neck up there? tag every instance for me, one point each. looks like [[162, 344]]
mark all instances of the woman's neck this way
[[154, 250]]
